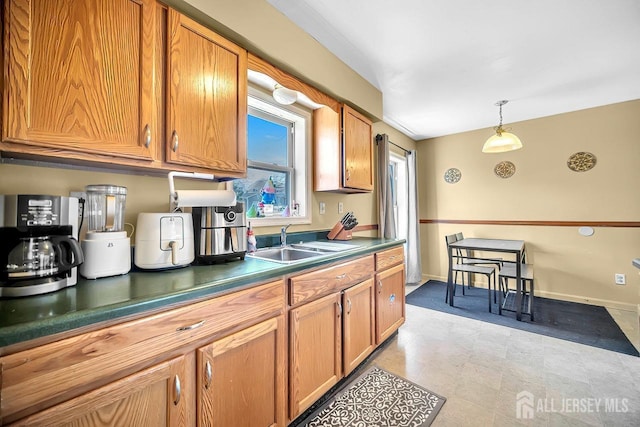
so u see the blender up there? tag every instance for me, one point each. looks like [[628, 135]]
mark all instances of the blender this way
[[106, 246]]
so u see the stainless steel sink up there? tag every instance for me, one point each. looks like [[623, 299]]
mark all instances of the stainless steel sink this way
[[298, 252], [286, 255]]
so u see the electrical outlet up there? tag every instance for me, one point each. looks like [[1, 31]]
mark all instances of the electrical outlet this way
[[78, 194], [323, 208], [620, 279], [340, 207]]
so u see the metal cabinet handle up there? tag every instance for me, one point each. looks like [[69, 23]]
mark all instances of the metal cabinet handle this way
[[207, 374], [348, 174], [341, 276], [339, 309], [187, 328], [349, 303], [147, 136], [177, 390], [380, 285], [174, 141]]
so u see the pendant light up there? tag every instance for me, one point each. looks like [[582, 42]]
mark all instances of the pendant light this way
[[502, 141], [283, 95]]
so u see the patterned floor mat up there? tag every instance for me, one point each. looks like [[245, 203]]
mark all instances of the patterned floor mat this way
[[379, 398]]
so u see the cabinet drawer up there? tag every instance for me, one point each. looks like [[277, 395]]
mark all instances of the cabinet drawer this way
[[389, 257], [321, 282], [37, 378]]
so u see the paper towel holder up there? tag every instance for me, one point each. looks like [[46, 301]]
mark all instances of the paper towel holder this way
[[173, 195]]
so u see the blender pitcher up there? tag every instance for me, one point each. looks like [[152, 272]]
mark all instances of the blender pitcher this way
[[105, 207], [106, 247]]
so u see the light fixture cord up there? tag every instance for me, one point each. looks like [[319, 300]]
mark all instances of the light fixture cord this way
[[500, 125]]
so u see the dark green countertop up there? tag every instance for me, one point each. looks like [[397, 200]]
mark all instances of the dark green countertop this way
[[93, 301]]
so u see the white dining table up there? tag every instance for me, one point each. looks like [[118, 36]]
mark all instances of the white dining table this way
[[515, 247]]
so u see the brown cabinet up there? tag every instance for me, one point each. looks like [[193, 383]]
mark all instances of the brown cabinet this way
[[358, 324], [158, 365], [241, 378], [315, 351], [122, 83], [79, 79], [332, 332], [343, 150], [390, 301], [206, 99], [157, 396]]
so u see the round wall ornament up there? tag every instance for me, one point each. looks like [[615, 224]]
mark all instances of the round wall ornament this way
[[581, 161], [452, 175], [505, 169]]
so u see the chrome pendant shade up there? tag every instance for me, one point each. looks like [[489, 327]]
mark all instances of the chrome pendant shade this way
[[502, 141]]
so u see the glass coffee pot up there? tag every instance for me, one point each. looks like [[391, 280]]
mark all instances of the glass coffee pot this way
[[43, 256]]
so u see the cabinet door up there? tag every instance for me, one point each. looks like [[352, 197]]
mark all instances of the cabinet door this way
[[357, 150], [390, 305], [358, 324], [315, 351], [241, 378], [207, 99], [80, 77], [159, 396]]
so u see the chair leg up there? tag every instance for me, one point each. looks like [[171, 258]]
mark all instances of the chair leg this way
[[489, 291], [531, 299]]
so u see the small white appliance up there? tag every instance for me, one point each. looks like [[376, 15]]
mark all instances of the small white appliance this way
[[106, 246], [163, 240]]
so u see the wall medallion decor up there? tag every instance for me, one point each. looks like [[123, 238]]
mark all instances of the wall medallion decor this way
[[581, 161], [452, 175], [505, 169]]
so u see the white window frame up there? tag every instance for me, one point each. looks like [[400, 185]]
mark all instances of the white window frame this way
[[301, 156]]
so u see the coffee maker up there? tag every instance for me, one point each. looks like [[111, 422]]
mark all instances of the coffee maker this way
[[38, 249]]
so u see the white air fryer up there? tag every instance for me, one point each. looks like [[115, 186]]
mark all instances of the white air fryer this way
[[163, 240]]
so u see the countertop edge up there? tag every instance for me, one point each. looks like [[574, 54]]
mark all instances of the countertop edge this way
[[36, 331]]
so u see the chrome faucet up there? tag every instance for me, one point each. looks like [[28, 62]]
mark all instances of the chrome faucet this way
[[283, 235]]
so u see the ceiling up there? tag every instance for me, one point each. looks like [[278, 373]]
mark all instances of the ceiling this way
[[441, 65]]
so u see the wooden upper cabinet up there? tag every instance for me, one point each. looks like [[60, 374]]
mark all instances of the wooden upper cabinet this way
[[206, 99], [358, 150], [79, 78], [343, 151]]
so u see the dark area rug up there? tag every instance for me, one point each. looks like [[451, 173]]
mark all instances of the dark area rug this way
[[582, 323], [378, 398]]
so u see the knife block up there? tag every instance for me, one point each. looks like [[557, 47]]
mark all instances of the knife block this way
[[339, 233]]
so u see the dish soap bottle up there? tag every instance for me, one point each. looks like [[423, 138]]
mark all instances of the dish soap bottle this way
[[251, 240]]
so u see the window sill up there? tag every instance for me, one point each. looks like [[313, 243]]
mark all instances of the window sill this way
[[278, 220]]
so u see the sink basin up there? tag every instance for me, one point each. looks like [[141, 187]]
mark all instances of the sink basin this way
[[286, 255], [325, 246]]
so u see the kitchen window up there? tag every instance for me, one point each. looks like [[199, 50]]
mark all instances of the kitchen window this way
[[275, 190]]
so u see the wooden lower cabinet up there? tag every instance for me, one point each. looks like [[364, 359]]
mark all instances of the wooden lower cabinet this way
[[241, 378], [329, 337], [390, 303], [161, 395], [315, 351], [358, 324]]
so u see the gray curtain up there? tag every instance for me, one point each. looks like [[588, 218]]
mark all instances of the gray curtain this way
[[414, 260], [386, 217]]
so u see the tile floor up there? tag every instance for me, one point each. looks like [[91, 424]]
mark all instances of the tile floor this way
[[481, 367]]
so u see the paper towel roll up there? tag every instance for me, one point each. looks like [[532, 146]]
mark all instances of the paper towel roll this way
[[191, 198]]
